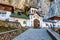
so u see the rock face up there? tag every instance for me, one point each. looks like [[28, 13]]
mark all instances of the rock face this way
[[49, 8]]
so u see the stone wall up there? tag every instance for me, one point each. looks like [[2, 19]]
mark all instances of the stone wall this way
[[57, 30], [11, 24], [9, 35]]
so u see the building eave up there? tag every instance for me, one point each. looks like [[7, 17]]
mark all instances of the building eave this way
[[54, 18]]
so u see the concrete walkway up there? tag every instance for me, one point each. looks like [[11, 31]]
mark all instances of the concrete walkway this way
[[34, 34]]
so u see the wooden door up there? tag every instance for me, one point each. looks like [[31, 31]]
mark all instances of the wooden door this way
[[36, 23]]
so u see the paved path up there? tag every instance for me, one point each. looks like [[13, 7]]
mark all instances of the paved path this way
[[34, 34]]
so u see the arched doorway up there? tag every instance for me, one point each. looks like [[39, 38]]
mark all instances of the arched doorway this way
[[36, 22]]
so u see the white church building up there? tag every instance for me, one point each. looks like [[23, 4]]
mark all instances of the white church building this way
[[34, 18]]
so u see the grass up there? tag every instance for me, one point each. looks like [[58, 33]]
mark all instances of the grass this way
[[3, 29]]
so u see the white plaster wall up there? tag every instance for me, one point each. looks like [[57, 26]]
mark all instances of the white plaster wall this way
[[43, 24], [21, 20], [30, 22], [49, 23], [57, 24], [6, 16]]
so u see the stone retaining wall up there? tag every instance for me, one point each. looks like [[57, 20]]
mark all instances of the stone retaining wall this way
[[57, 30], [9, 35]]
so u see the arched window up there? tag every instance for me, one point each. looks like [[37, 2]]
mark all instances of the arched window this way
[[46, 24], [24, 22]]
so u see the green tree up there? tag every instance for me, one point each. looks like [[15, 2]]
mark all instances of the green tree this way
[[26, 9], [10, 1], [51, 0]]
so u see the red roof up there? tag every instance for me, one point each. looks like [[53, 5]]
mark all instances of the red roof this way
[[54, 18], [6, 7]]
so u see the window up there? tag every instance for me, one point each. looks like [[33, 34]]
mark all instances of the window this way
[[2, 13], [24, 22], [16, 20], [19, 13], [31, 17], [40, 12], [46, 24], [32, 11]]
